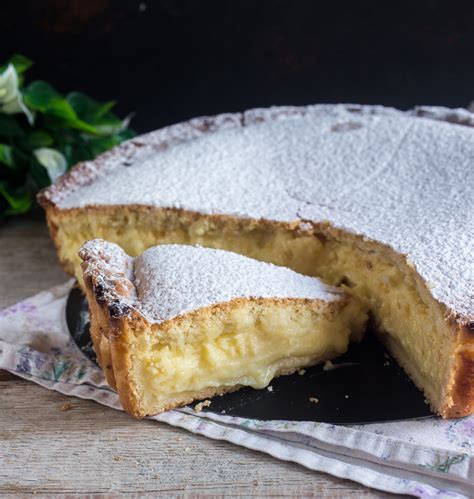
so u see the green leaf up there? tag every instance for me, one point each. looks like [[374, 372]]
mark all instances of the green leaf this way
[[81, 125], [39, 138], [87, 108], [76, 153], [108, 124], [68, 150], [54, 124], [9, 127], [65, 136], [6, 155], [77, 126], [125, 134], [19, 200], [20, 62], [100, 145], [39, 173], [59, 125], [42, 97]]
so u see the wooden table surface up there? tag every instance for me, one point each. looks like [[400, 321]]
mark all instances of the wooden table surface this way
[[92, 449]]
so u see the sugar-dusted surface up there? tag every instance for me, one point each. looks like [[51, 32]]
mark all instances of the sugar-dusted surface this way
[[106, 258], [403, 179], [174, 279]]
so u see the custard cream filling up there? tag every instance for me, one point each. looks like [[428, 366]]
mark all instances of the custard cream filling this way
[[249, 348]]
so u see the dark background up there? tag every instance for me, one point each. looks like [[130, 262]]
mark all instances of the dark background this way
[[170, 60]]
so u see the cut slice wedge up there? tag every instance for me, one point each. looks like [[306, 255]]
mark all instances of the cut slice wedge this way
[[181, 323]]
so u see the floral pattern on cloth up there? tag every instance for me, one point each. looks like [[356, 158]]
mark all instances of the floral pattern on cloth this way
[[423, 458]]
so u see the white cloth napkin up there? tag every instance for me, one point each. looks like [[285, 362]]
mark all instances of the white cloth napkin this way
[[424, 458]]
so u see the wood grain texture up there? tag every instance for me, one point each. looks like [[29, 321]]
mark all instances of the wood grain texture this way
[[90, 449]]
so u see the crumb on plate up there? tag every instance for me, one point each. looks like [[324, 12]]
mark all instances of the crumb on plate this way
[[199, 407], [328, 365]]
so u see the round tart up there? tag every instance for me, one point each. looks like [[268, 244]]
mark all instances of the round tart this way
[[375, 199]]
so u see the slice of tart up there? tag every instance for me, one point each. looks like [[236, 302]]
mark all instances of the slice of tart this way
[[181, 323]]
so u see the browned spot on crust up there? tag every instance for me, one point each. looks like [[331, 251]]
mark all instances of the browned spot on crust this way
[[463, 379]]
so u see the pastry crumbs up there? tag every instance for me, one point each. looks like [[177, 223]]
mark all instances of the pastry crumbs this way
[[199, 407], [328, 365]]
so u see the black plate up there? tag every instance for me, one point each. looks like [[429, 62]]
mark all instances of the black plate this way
[[366, 385]]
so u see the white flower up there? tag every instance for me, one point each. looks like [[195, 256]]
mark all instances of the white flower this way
[[11, 100], [8, 84], [54, 162]]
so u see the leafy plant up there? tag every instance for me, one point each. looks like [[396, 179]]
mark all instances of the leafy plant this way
[[43, 133]]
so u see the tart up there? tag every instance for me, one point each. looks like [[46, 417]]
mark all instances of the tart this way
[[375, 199], [181, 323]]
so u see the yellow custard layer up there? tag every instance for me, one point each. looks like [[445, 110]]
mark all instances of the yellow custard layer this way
[[245, 344]]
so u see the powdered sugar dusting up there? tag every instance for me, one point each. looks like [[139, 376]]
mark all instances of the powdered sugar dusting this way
[[174, 279], [102, 255], [111, 272], [403, 179]]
